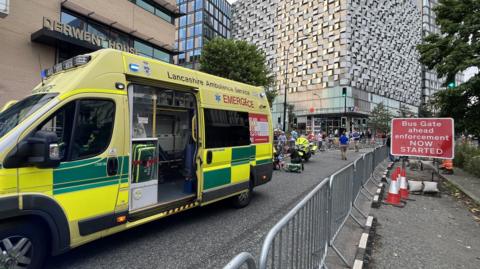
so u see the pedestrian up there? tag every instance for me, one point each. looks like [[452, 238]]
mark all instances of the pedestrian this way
[[282, 141], [369, 136], [331, 140], [294, 134], [319, 140], [343, 145], [311, 137], [356, 139], [292, 141], [387, 143]]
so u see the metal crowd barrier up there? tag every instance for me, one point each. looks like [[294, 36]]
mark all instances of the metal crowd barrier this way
[[302, 238], [298, 240]]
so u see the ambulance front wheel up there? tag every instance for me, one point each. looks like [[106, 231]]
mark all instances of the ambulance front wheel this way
[[22, 245], [243, 199]]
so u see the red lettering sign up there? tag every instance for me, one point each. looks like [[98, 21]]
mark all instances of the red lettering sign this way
[[259, 130], [423, 137], [235, 100]]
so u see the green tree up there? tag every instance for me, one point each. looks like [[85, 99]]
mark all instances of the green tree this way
[[405, 112], [425, 111], [454, 50], [380, 118], [239, 61]]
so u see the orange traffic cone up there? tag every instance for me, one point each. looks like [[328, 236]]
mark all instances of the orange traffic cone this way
[[404, 185], [398, 174], [393, 195], [448, 166]]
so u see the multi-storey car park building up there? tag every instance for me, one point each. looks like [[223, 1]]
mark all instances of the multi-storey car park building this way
[[36, 34], [203, 20], [316, 48]]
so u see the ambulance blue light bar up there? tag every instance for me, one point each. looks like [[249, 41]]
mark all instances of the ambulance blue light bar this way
[[66, 65]]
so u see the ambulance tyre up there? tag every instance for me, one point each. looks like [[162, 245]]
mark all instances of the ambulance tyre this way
[[22, 245], [243, 199]]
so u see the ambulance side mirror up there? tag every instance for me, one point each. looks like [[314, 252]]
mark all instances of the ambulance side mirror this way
[[40, 150]]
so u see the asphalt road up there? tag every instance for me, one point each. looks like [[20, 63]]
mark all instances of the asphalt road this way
[[206, 237]]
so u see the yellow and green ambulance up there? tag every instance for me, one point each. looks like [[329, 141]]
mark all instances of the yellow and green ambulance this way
[[111, 140]]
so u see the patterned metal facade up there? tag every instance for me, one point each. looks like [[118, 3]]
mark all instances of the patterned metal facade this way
[[367, 46]]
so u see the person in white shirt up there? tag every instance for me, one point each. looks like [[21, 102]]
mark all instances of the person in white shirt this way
[[319, 140]]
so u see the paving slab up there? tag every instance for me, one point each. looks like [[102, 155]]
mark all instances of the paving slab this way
[[430, 232]]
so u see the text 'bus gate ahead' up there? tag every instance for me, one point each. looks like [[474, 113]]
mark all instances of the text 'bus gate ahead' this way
[[423, 137]]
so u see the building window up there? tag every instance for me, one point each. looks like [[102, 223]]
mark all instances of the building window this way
[[181, 34], [198, 29], [109, 34], [198, 16], [155, 9], [198, 4], [4, 7], [143, 49], [161, 55], [189, 43], [73, 21]]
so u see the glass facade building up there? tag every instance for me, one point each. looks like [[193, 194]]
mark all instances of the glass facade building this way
[[203, 20]]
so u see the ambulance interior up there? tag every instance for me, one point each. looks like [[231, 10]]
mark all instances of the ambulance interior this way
[[163, 147]]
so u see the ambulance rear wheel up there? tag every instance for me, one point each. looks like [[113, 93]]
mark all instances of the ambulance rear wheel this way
[[22, 245], [243, 199]]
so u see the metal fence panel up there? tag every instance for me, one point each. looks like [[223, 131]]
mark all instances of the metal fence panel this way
[[240, 260], [358, 177], [380, 154], [369, 164], [300, 239], [341, 198]]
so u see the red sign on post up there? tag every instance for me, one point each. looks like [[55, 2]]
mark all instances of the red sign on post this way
[[423, 137]]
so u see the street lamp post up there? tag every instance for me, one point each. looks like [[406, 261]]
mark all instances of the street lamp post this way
[[285, 97], [286, 82], [313, 116]]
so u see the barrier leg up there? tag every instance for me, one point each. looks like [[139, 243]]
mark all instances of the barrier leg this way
[[363, 188], [359, 211], [356, 220], [375, 180], [366, 196], [339, 254]]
